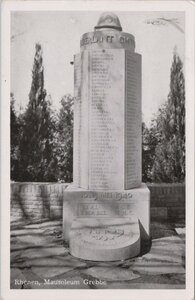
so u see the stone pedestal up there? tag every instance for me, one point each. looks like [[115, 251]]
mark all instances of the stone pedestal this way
[[81, 203]]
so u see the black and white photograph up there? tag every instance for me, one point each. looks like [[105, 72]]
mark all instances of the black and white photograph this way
[[97, 169]]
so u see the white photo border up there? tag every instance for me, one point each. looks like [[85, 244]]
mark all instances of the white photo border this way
[[6, 8]]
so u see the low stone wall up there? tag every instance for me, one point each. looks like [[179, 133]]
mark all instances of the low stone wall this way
[[37, 200], [44, 200], [167, 202]]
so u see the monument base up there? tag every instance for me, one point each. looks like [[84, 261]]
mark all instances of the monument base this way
[[105, 239], [80, 203]]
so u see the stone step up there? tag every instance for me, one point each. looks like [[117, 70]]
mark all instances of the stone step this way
[[105, 239]]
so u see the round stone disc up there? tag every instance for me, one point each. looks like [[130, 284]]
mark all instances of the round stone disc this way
[[105, 239]]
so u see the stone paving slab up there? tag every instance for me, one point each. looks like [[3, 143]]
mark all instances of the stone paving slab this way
[[111, 273], [33, 239], [49, 272], [47, 224], [181, 232], [165, 256], [22, 232], [42, 252], [49, 267], [155, 268], [41, 257]]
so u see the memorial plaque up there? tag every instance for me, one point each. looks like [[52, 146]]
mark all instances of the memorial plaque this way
[[106, 135], [107, 119]]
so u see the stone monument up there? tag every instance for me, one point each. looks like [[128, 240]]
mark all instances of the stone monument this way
[[106, 211]]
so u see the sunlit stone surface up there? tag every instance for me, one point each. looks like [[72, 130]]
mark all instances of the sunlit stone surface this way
[[107, 146]]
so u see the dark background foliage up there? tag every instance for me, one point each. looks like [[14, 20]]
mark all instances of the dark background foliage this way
[[42, 139], [164, 141]]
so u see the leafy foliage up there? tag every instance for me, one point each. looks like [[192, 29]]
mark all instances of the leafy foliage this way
[[166, 137], [63, 140], [15, 130], [37, 162], [169, 164], [149, 142]]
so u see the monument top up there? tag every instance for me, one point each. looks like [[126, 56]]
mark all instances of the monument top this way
[[108, 20], [107, 34]]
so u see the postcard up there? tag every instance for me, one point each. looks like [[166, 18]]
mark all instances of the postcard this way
[[97, 157]]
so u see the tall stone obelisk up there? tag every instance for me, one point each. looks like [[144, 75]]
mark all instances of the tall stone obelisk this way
[[106, 210], [107, 119]]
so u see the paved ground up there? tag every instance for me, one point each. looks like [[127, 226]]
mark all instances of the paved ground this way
[[40, 260]]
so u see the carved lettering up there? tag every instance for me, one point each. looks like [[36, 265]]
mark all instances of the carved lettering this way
[[102, 209]]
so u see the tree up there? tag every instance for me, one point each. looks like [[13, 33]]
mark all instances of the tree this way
[[37, 160], [149, 142], [63, 141], [15, 126], [169, 127]]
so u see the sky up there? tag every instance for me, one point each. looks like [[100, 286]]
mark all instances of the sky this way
[[156, 34]]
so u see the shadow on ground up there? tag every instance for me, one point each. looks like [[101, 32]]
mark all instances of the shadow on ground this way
[[40, 259]]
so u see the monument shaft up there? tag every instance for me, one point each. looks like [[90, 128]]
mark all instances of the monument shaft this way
[[107, 116]]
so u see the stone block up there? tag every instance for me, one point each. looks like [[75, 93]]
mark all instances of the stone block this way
[[80, 203]]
